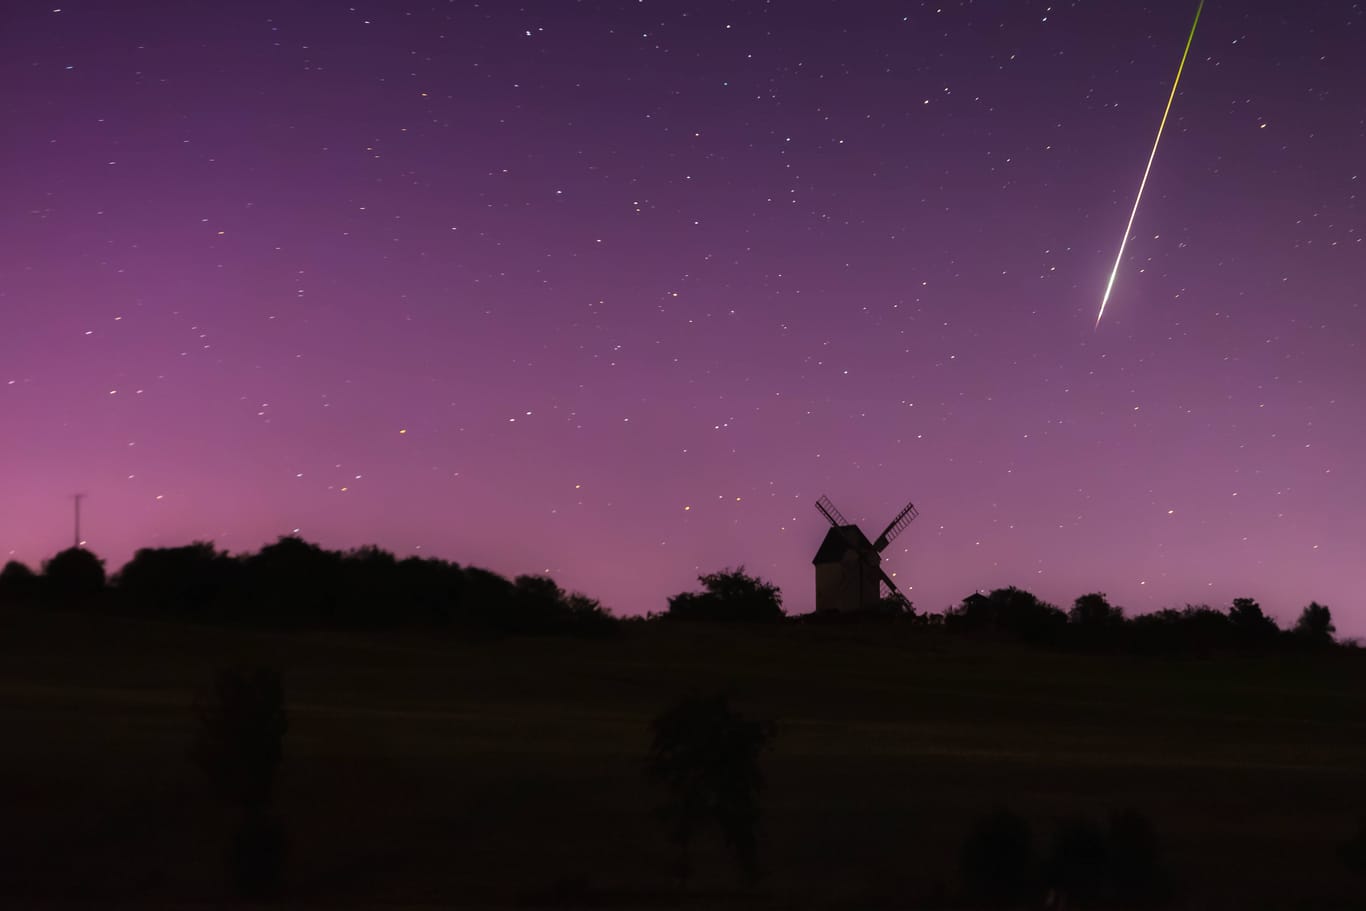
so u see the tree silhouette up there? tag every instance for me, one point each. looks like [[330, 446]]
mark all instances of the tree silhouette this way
[[18, 583], [1010, 611], [706, 756], [998, 862], [1136, 874], [1094, 610], [292, 580], [1352, 852], [1089, 865], [73, 576], [1077, 870], [730, 595], [1249, 623], [179, 580], [238, 744], [1315, 624]]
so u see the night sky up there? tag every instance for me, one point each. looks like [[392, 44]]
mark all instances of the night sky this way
[[616, 290]]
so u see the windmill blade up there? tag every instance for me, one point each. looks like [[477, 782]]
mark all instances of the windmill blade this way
[[873, 562], [833, 515], [896, 527], [893, 592]]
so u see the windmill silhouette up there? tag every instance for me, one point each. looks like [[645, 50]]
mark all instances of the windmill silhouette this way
[[849, 573]]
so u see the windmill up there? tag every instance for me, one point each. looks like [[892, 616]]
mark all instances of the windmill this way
[[849, 574]]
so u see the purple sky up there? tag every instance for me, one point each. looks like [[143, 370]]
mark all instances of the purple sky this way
[[617, 290]]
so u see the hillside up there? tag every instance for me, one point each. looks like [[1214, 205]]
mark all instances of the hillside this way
[[440, 770]]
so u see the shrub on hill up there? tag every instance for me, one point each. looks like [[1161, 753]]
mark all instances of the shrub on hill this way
[[1249, 625], [181, 580], [73, 576], [1011, 612], [730, 595], [18, 584], [1094, 611], [1315, 625]]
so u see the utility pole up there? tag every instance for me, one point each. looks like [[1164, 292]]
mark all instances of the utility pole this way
[[78, 497]]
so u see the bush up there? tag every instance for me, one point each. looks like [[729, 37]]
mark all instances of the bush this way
[[1250, 625], [1012, 612], [1080, 861], [1352, 852], [730, 595], [256, 861], [18, 583], [1094, 610], [180, 580], [1089, 866], [998, 862], [1315, 625], [1136, 874], [706, 756], [73, 576], [239, 742]]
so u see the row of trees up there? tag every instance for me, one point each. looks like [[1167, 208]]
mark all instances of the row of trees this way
[[1013, 613], [295, 582], [1094, 622]]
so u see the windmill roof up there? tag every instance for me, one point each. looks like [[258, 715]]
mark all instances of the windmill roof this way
[[840, 540]]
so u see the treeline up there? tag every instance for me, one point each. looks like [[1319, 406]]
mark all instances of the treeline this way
[[296, 583], [1093, 623]]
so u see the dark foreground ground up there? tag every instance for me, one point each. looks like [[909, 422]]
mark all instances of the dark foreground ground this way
[[429, 770]]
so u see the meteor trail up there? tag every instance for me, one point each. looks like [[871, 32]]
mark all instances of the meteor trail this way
[[1143, 183]]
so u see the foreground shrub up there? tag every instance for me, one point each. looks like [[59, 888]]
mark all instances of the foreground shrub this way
[[998, 861], [239, 744], [1080, 862], [256, 860], [706, 756], [1136, 875], [1089, 865], [1352, 852]]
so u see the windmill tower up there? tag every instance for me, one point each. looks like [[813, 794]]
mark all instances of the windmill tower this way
[[849, 574]]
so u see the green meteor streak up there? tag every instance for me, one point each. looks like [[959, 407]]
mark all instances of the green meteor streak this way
[[1143, 183]]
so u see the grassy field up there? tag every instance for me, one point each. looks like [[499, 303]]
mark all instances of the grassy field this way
[[430, 770]]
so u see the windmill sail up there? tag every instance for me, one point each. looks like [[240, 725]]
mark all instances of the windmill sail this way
[[896, 527], [835, 517]]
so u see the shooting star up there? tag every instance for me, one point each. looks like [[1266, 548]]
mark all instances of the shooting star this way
[[1109, 286]]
